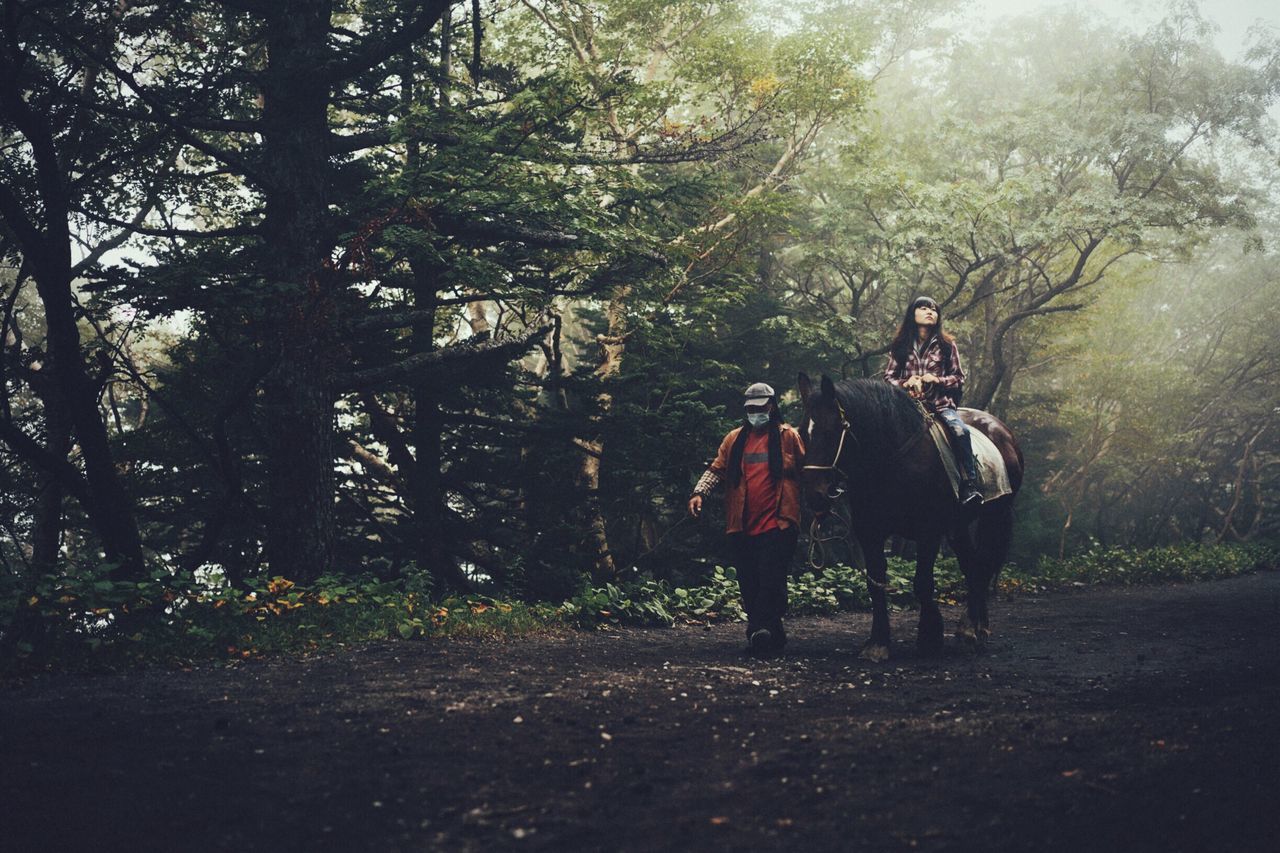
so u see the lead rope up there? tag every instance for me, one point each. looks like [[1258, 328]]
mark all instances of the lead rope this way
[[818, 546], [658, 542]]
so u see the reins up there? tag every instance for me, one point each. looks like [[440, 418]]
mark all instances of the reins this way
[[846, 431], [817, 543]]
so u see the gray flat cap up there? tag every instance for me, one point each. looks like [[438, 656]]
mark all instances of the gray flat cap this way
[[758, 394]]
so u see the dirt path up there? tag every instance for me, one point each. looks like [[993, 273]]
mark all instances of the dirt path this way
[[1099, 720]]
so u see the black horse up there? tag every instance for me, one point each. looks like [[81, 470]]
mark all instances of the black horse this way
[[869, 441]]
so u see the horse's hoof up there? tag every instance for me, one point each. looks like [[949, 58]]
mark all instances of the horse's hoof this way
[[874, 653], [966, 636]]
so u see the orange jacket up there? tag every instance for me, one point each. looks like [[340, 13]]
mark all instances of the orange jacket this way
[[735, 497]]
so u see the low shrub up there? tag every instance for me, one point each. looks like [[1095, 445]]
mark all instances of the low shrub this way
[[1127, 566], [85, 618]]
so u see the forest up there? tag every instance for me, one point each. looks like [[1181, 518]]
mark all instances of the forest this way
[[461, 295]]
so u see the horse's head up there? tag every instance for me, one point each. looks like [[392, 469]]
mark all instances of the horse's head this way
[[825, 433]]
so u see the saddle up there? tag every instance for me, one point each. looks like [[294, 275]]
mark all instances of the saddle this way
[[993, 476]]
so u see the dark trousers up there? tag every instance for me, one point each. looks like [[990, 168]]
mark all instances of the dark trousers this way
[[763, 562]]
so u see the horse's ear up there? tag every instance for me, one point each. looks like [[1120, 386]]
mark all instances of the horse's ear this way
[[828, 387], [805, 386]]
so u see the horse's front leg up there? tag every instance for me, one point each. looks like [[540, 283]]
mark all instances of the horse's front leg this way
[[929, 632], [876, 648]]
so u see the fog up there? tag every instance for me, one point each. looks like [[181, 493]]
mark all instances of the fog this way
[[486, 308]]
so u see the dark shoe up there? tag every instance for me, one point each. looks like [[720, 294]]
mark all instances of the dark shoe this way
[[969, 495], [761, 642]]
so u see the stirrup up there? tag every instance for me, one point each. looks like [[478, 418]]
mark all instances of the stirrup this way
[[970, 496]]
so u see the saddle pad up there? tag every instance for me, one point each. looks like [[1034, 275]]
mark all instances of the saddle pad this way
[[993, 476]]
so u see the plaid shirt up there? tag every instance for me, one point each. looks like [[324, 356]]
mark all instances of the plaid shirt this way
[[929, 359]]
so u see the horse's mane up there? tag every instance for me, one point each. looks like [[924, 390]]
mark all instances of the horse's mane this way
[[881, 416]]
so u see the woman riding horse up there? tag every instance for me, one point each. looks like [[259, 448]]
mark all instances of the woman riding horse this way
[[925, 362], [867, 441]]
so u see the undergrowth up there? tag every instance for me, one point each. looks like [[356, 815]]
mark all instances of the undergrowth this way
[[86, 619]]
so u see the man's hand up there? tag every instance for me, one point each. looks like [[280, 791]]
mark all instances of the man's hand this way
[[695, 506]]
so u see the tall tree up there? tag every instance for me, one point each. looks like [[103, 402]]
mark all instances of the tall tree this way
[[692, 82], [56, 163]]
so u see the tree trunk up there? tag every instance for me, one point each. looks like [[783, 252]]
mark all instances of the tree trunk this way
[[46, 536], [298, 400], [612, 347], [423, 470], [110, 508], [300, 517], [425, 483]]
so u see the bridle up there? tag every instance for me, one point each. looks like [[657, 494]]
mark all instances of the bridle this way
[[846, 432], [818, 542]]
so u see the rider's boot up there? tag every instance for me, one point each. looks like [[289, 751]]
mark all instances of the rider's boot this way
[[969, 494]]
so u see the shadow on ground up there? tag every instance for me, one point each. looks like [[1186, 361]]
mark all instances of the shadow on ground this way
[[1102, 719]]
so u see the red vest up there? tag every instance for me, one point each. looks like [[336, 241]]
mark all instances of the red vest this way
[[760, 514]]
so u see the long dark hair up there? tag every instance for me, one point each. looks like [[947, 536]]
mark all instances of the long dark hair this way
[[775, 446], [908, 332]]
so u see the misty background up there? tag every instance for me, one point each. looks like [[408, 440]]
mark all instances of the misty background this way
[[468, 292]]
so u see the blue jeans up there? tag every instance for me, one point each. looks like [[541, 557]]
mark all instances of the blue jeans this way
[[953, 422], [960, 441]]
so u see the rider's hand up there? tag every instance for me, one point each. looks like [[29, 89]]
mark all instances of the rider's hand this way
[[695, 506], [929, 377]]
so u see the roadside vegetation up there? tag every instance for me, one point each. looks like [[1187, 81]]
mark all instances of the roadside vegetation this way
[[90, 621]]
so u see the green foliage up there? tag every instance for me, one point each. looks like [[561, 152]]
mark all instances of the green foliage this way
[[833, 590], [729, 192], [85, 619], [88, 619], [1129, 566]]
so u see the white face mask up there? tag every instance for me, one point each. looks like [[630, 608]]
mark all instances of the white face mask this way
[[757, 419]]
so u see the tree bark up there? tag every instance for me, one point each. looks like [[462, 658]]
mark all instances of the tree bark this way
[[425, 483], [46, 534], [298, 399]]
